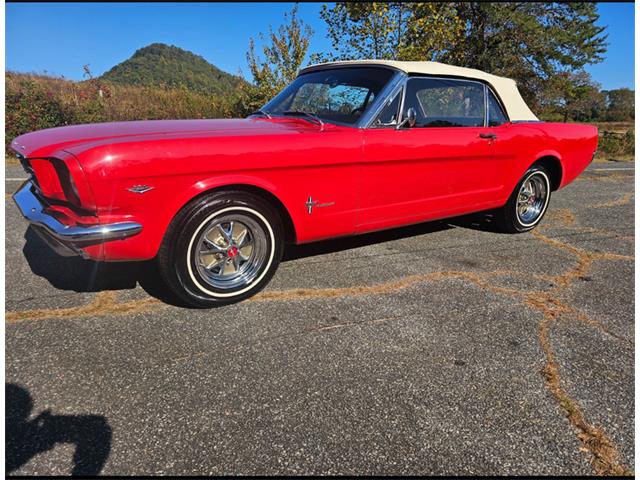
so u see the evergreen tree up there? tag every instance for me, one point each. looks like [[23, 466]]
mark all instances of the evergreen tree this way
[[529, 41]]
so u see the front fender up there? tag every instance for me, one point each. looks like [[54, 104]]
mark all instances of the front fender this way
[[219, 181], [156, 208]]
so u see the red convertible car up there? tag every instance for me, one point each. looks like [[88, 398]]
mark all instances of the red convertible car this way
[[346, 148]]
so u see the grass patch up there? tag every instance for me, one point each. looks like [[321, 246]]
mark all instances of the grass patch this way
[[606, 158], [11, 160]]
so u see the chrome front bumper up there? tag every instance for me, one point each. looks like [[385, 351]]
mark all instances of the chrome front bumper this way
[[71, 237]]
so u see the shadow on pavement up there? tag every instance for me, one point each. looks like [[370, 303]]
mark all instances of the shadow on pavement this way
[[483, 221], [91, 434], [80, 275], [293, 252]]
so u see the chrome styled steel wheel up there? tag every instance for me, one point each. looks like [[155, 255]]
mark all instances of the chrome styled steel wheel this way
[[527, 203], [230, 251], [221, 248], [532, 198]]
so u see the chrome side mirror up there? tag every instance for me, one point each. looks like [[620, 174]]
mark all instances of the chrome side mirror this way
[[410, 118]]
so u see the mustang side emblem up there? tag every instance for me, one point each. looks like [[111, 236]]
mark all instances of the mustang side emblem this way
[[140, 188], [310, 203]]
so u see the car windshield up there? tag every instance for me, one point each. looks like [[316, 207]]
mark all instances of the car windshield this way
[[338, 95]]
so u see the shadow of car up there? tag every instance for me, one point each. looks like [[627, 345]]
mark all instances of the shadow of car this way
[[80, 275]]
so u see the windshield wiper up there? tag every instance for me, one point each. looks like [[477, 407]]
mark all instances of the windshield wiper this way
[[261, 112], [314, 118]]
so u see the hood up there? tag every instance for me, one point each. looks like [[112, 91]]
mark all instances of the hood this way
[[44, 143]]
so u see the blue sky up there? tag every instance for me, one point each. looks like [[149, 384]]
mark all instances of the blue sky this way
[[60, 38]]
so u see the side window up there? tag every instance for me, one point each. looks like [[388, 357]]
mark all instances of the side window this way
[[389, 115], [496, 115], [445, 103]]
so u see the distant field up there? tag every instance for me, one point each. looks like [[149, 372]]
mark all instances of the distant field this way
[[616, 141], [11, 160], [603, 158], [616, 127]]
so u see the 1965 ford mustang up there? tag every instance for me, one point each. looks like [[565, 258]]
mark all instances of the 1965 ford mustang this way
[[346, 148]]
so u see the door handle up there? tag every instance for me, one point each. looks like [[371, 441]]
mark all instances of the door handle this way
[[492, 136]]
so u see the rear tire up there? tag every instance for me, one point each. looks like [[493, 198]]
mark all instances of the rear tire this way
[[221, 248], [528, 203]]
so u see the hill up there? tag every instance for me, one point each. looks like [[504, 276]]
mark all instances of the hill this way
[[160, 64]]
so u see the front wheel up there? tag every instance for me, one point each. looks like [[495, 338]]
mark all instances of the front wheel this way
[[221, 248], [528, 202]]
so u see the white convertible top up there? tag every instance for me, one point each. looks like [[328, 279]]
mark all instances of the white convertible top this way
[[506, 88]]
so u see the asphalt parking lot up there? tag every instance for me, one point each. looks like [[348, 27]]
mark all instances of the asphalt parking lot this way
[[443, 348]]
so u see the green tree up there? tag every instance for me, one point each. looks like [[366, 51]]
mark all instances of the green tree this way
[[620, 105], [529, 41], [395, 30], [572, 96], [281, 59]]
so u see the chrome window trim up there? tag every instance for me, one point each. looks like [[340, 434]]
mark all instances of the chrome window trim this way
[[404, 95], [486, 106], [398, 89], [387, 93], [501, 107]]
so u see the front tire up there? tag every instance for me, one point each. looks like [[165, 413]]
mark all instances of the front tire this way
[[221, 248], [528, 203]]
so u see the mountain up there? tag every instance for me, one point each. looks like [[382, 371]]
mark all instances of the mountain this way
[[160, 64]]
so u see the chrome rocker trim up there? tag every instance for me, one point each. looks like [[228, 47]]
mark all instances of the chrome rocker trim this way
[[33, 210]]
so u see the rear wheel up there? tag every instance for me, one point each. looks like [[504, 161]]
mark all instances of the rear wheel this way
[[528, 202], [221, 248]]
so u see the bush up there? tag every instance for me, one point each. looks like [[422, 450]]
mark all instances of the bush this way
[[31, 106], [612, 144], [34, 102]]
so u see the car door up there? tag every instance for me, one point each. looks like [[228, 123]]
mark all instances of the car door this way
[[446, 164]]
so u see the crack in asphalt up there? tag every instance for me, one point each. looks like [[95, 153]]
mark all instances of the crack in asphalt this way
[[104, 303], [615, 177], [624, 200], [594, 439], [564, 215], [384, 288], [605, 456]]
